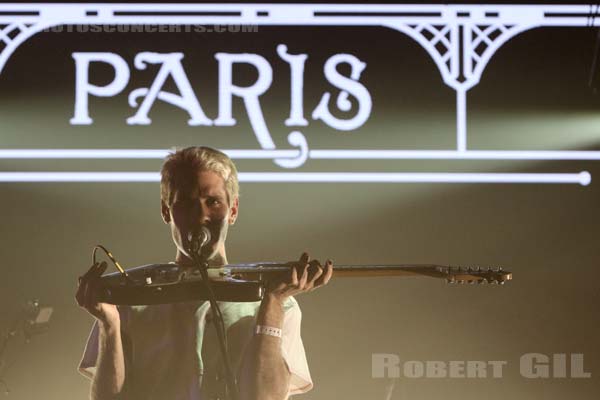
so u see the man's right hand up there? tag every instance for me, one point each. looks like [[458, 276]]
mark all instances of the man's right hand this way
[[87, 293]]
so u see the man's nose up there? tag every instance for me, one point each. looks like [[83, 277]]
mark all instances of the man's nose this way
[[202, 213]]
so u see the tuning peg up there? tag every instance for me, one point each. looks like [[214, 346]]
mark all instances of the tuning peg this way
[[483, 281], [501, 282], [451, 281], [499, 269], [471, 282], [493, 281], [461, 281]]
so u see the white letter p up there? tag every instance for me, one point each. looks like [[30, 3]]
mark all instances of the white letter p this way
[[83, 87]]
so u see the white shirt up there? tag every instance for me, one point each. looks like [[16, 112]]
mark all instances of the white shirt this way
[[172, 353]]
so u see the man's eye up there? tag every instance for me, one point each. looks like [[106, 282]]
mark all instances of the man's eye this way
[[214, 202]]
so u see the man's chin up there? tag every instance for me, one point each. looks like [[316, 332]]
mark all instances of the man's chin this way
[[209, 253]]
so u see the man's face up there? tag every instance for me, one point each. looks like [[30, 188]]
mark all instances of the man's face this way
[[202, 202]]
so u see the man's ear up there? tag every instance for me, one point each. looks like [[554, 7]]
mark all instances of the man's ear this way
[[234, 211], [165, 212]]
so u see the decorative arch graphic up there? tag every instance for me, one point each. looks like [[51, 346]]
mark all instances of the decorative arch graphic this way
[[460, 39]]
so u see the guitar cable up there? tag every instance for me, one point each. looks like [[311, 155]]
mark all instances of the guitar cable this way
[[110, 256]]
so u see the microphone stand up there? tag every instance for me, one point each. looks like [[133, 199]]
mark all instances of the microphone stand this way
[[27, 322], [201, 263]]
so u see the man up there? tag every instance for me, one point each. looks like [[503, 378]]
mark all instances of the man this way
[[170, 352]]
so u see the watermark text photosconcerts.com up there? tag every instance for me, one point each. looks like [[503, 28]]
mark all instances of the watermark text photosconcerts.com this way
[[531, 366], [149, 28]]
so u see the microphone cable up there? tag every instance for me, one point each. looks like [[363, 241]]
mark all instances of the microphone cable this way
[[232, 392]]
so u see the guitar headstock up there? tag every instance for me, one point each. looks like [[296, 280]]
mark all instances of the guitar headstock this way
[[474, 275]]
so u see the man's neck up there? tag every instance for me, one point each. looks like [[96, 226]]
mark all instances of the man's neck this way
[[218, 260]]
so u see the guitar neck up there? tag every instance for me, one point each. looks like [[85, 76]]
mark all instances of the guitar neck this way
[[358, 271], [458, 274]]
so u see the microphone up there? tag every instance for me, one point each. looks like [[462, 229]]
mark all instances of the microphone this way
[[197, 240]]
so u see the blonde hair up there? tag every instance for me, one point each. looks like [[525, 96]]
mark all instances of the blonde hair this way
[[181, 166]]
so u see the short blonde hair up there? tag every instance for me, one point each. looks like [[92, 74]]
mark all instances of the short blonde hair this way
[[182, 166]]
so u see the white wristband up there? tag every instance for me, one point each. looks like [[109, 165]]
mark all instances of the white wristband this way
[[267, 330]]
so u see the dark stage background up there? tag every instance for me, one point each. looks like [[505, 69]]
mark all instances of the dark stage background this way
[[532, 96]]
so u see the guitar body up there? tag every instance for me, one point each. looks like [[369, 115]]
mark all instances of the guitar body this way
[[170, 283]]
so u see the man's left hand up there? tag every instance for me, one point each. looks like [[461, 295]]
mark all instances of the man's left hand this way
[[304, 277]]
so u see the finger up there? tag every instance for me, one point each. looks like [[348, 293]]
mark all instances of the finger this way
[[92, 275], [304, 258], [303, 278], [89, 272], [328, 273], [79, 294], [93, 283], [100, 269], [86, 295], [294, 277], [82, 284], [302, 262], [318, 271], [83, 293]]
